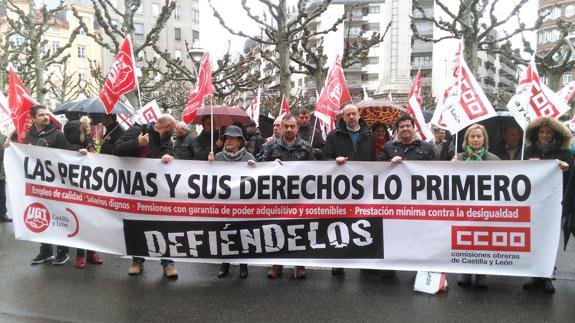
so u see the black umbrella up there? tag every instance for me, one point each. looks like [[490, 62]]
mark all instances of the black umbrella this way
[[495, 127], [90, 106]]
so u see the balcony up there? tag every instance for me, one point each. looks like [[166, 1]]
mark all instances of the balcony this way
[[418, 65], [417, 14], [422, 47], [353, 68]]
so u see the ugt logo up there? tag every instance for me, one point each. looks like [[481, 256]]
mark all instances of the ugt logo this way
[[36, 217], [120, 79]]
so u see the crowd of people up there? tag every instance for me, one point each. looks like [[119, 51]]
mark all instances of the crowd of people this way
[[294, 139]]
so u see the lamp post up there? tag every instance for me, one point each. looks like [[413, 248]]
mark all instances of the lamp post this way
[[195, 54]]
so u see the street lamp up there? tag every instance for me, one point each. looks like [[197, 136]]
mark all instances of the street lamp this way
[[195, 54]]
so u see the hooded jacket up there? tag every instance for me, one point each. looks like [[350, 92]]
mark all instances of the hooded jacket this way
[[72, 133], [128, 146], [339, 143], [562, 136]]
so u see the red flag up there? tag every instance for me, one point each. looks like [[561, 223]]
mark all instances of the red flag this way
[[414, 108], [254, 108], [334, 93], [202, 88], [20, 102], [284, 107], [121, 77]]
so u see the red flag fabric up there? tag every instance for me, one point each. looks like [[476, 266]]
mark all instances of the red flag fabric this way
[[121, 77], [20, 103], [414, 108], [335, 92], [202, 88], [284, 107]]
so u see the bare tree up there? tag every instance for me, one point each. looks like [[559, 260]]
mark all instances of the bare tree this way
[[474, 21], [166, 78], [64, 84], [283, 33], [32, 56], [312, 59]]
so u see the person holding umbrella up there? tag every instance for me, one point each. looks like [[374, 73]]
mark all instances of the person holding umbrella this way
[[201, 145], [234, 151]]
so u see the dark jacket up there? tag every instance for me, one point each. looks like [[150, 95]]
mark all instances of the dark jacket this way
[[254, 142], [502, 153], [444, 154], [50, 137], [202, 145], [184, 147], [265, 147], [112, 134], [278, 149], [2, 141], [338, 143], [72, 133], [416, 150], [127, 145], [305, 133]]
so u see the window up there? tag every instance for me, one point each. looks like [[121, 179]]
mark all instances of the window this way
[[567, 77], [17, 40], [138, 29], [155, 9], [178, 54], [369, 77], [81, 51], [56, 72], [82, 32], [195, 16], [569, 10], [555, 13], [82, 75], [141, 55], [371, 61], [374, 9], [114, 23], [178, 34], [55, 46], [140, 10], [354, 30], [357, 13], [178, 13], [195, 35]]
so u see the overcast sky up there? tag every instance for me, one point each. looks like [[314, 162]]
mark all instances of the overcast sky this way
[[214, 38]]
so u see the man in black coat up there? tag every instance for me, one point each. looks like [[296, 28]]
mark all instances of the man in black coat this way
[[183, 145], [288, 148], [152, 140], [306, 130], [406, 145], [43, 133], [352, 139], [440, 145]]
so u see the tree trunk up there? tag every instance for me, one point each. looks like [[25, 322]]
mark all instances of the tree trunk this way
[[36, 52], [283, 50], [470, 45], [319, 76], [554, 81]]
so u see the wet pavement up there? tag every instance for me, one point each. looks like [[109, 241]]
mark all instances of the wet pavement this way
[[105, 293]]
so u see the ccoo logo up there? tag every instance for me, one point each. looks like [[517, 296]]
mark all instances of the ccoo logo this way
[[36, 217]]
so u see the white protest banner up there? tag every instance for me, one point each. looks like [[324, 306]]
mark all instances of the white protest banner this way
[[499, 218], [6, 124]]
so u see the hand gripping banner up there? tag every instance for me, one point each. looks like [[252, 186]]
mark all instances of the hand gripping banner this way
[[499, 218]]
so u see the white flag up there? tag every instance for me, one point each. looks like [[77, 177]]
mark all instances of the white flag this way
[[534, 99], [6, 124]]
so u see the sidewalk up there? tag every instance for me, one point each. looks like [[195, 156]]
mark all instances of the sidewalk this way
[[45, 293]]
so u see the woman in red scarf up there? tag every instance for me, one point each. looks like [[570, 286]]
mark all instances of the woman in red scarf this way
[[379, 137]]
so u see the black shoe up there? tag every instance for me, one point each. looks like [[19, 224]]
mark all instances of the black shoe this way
[[41, 258], [61, 259], [548, 286], [224, 270], [533, 284], [464, 280], [5, 218], [337, 272], [243, 270]]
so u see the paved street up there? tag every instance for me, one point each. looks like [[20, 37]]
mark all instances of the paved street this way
[[105, 293]]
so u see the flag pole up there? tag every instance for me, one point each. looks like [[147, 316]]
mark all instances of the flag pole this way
[[212, 122], [134, 67]]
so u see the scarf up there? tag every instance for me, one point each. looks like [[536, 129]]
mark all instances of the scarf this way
[[546, 148], [472, 155], [378, 145], [237, 156]]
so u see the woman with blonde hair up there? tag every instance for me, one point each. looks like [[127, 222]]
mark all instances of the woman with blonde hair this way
[[475, 148], [78, 134]]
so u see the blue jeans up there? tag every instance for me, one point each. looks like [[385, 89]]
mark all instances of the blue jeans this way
[[163, 262]]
